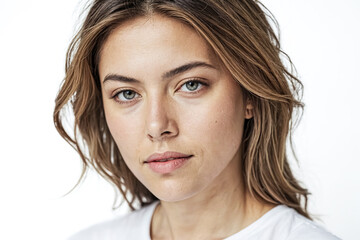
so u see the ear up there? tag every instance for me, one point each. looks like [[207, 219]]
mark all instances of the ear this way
[[249, 110]]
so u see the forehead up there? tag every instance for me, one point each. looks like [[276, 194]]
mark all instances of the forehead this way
[[152, 40]]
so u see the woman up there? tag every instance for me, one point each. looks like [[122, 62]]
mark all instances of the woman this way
[[186, 107]]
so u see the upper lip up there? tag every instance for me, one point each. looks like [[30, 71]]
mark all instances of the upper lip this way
[[166, 156]]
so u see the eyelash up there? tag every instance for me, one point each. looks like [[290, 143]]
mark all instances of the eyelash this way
[[123, 91], [194, 80]]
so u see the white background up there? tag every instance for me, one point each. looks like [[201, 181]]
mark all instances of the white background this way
[[37, 167]]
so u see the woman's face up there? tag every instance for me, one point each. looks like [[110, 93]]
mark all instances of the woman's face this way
[[175, 114]]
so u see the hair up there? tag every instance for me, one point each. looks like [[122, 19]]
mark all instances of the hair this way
[[240, 33]]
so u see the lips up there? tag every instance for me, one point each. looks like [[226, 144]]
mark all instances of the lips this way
[[167, 156], [168, 162]]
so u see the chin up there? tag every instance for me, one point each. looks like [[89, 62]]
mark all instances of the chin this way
[[171, 191]]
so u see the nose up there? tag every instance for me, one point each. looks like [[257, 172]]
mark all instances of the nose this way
[[160, 122]]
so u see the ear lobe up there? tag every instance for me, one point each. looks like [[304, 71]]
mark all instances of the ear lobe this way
[[249, 111]]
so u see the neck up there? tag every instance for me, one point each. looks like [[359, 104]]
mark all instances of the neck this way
[[218, 211]]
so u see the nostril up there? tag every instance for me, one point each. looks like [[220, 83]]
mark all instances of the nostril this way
[[166, 133]]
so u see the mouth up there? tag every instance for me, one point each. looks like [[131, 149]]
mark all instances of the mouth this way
[[167, 156], [168, 162]]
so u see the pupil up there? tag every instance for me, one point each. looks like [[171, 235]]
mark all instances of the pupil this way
[[192, 85], [129, 94]]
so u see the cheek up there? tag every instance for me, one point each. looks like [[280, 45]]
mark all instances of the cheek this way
[[125, 132], [217, 129], [217, 123]]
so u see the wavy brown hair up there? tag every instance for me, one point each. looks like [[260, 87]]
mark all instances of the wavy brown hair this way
[[241, 35]]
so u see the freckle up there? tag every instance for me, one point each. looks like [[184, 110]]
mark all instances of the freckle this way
[[215, 121]]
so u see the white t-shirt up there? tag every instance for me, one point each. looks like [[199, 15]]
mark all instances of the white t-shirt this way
[[279, 223]]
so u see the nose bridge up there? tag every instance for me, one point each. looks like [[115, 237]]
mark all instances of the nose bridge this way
[[158, 116], [157, 113]]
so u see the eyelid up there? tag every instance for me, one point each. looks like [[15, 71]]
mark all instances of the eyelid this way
[[199, 80], [118, 91]]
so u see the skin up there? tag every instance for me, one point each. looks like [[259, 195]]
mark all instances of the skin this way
[[162, 113]]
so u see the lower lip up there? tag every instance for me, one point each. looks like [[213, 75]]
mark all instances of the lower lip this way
[[168, 166]]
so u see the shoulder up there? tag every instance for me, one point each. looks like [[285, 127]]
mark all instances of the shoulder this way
[[121, 227], [297, 227], [304, 228]]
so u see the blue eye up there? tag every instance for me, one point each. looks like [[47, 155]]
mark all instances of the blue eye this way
[[126, 95], [191, 86]]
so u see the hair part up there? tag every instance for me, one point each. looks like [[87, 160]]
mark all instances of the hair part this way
[[242, 38]]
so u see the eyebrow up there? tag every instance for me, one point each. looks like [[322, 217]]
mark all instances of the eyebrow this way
[[169, 74]]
